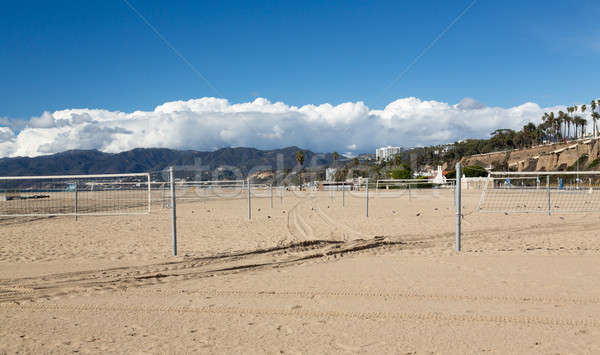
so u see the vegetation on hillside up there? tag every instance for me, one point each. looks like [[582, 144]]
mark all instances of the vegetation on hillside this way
[[554, 128]]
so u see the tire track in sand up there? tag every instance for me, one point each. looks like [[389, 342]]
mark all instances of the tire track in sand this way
[[403, 316], [297, 226], [65, 284], [385, 296]]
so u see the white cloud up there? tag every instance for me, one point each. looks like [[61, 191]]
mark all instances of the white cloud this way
[[210, 123], [46, 120], [469, 103]]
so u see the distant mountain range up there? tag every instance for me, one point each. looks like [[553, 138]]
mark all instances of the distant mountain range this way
[[154, 159]]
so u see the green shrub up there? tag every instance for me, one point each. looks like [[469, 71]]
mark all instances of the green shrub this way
[[403, 172], [474, 171], [579, 162], [593, 164]]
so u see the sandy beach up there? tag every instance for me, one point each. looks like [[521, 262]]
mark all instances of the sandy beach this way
[[306, 276]]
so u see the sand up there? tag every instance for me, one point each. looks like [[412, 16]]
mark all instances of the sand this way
[[306, 276]]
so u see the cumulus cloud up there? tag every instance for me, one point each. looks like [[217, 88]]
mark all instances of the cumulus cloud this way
[[210, 123], [12, 123], [469, 103]]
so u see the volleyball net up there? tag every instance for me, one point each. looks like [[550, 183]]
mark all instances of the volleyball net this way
[[105, 194], [541, 192]]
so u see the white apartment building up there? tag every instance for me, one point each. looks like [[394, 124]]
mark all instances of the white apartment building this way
[[330, 174], [387, 153]]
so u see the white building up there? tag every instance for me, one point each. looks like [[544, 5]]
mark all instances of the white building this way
[[439, 177], [330, 174], [387, 153]]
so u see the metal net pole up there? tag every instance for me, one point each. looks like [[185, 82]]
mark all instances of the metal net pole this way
[[548, 189], [149, 193], [76, 199], [249, 204], [173, 212], [367, 194], [458, 205]]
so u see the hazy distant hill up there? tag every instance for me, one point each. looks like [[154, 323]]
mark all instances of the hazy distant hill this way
[[152, 159]]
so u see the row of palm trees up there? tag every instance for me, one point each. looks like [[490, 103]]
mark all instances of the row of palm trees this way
[[300, 157], [558, 127]]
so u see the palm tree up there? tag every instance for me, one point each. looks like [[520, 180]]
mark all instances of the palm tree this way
[[569, 120], [529, 134], [355, 161], [595, 117], [300, 157], [583, 124], [549, 125], [565, 122], [553, 121], [575, 110], [593, 108], [576, 123], [597, 105], [583, 108], [556, 123], [335, 157], [397, 160], [544, 123], [560, 120]]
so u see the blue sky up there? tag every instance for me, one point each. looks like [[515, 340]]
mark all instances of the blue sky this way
[[99, 54], [63, 55]]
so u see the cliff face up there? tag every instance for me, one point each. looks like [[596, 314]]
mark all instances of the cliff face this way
[[550, 157]]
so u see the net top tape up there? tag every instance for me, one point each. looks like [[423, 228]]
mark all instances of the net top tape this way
[[73, 176], [543, 173]]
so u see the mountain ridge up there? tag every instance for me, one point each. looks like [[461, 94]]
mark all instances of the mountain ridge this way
[[139, 160]]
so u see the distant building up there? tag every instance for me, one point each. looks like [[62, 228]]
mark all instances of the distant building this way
[[427, 171], [330, 174], [443, 149], [387, 153]]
